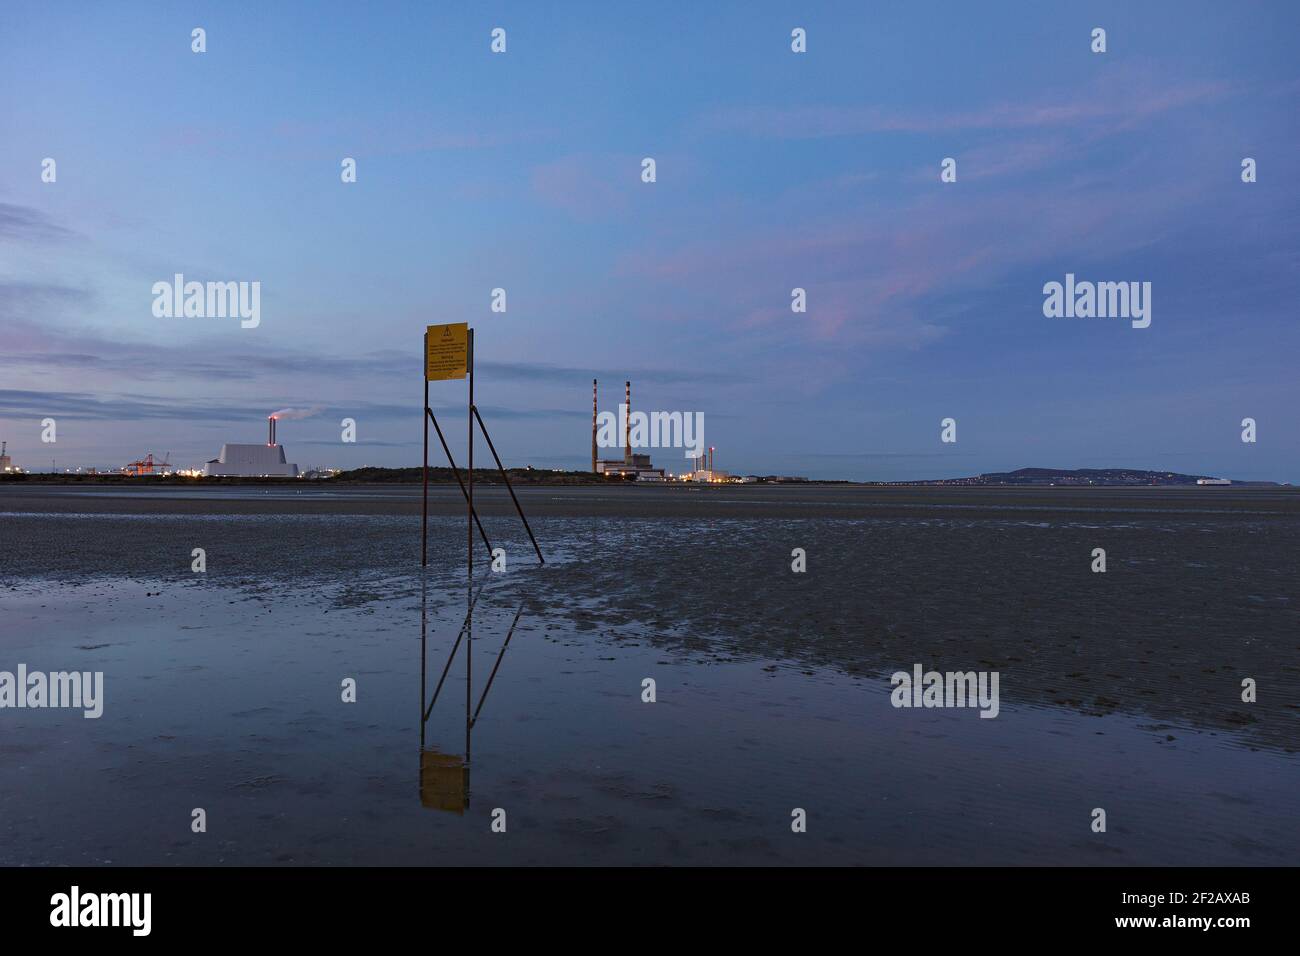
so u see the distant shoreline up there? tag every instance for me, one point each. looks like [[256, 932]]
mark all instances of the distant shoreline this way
[[377, 476], [1081, 478]]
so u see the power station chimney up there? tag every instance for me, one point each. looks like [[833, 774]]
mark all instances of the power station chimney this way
[[593, 426], [270, 431], [627, 428], [710, 459]]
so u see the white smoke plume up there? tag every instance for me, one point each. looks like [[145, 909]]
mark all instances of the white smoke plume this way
[[288, 414]]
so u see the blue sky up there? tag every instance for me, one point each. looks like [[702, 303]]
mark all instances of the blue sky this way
[[775, 170]]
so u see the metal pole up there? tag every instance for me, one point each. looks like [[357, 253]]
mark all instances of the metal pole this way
[[509, 487], [469, 526], [424, 634], [455, 471], [424, 518], [469, 653]]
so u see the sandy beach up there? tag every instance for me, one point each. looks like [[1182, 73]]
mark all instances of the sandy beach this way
[[1120, 690]]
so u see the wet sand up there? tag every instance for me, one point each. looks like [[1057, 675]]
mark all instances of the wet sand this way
[[1118, 690], [643, 501]]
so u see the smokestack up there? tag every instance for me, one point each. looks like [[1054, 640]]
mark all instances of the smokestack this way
[[270, 430], [593, 426], [710, 458], [627, 428]]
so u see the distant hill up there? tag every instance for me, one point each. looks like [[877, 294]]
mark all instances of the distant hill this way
[[1108, 477]]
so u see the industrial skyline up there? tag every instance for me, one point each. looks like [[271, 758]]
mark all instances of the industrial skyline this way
[[521, 173]]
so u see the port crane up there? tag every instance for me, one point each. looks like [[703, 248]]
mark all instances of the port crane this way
[[147, 466]]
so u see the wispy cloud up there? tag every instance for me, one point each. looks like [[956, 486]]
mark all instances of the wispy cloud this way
[[874, 266], [28, 403], [21, 403], [870, 273], [26, 344], [22, 299], [1013, 157], [585, 185], [395, 135], [27, 224], [1118, 100], [32, 345]]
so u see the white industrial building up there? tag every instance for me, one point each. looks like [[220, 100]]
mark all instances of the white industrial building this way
[[252, 461]]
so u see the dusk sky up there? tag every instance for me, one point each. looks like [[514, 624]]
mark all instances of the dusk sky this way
[[775, 170]]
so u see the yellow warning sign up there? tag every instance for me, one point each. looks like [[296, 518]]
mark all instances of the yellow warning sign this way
[[446, 351]]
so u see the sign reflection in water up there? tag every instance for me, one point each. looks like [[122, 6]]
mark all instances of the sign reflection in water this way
[[444, 777]]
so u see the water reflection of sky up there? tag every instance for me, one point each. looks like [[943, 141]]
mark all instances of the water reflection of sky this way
[[219, 699]]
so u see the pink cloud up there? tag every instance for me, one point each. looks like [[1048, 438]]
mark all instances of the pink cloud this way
[[395, 135], [1116, 99], [584, 185], [872, 275]]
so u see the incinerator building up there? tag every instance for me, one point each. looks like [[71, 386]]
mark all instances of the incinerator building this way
[[252, 461]]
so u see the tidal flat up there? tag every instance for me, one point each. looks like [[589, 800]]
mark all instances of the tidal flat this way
[[222, 689]]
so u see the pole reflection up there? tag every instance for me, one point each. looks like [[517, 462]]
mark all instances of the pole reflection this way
[[444, 776]]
